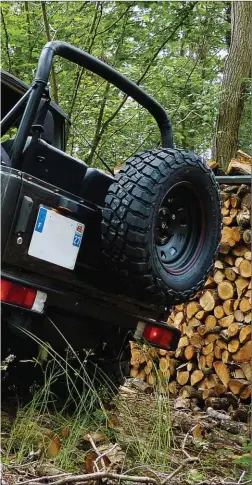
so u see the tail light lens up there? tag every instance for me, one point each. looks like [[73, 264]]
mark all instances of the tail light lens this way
[[22, 296], [161, 336]]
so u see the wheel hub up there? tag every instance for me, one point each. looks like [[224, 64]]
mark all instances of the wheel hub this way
[[177, 226]]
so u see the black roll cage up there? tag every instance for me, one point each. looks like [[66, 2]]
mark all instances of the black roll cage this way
[[77, 56]]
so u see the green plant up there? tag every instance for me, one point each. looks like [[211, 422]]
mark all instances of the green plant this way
[[83, 410]]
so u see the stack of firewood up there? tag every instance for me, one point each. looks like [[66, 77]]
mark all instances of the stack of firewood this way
[[214, 351]]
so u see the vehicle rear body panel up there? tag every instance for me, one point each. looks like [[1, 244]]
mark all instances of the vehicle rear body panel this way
[[91, 283]]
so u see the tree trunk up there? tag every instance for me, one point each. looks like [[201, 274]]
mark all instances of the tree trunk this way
[[236, 70]]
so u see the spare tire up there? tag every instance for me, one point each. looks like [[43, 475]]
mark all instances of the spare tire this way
[[161, 224]]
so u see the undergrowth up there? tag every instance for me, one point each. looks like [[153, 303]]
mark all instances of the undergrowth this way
[[52, 427]]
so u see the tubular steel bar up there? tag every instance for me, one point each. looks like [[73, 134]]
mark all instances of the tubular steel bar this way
[[73, 54], [234, 179]]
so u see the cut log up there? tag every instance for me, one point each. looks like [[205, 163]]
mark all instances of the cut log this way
[[244, 218], [234, 329], [172, 386], [208, 300], [238, 374], [217, 352], [246, 368], [210, 321], [189, 352], [201, 362], [182, 377], [222, 372], [179, 317], [247, 318], [245, 305], [239, 250], [226, 321], [200, 315], [212, 337], [209, 359], [228, 307], [225, 290], [219, 276], [239, 316], [246, 393], [194, 322], [241, 285], [247, 237], [235, 166], [225, 356], [220, 389], [230, 274], [244, 354], [235, 201], [221, 344], [207, 349], [230, 260], [247, 255], [196, 377], [233, 345], [164, 363], [245, 269], [183, 342], [219, 264], [245, 334], [192, 308], [237, 385], [196, 340], [219, 312]]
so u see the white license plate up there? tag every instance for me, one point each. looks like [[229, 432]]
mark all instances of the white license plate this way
[[56, 238]]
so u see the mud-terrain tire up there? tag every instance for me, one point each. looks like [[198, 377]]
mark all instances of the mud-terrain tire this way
[[161, 225]]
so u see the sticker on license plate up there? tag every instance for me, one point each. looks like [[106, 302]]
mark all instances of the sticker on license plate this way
[[56, 238]]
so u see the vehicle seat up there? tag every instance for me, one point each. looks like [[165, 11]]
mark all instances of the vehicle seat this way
[[50, 164], [95, 185]]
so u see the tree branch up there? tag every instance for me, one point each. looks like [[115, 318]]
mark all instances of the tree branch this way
[[7, 39]]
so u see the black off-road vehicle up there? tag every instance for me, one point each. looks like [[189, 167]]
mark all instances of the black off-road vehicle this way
[[97, 253]]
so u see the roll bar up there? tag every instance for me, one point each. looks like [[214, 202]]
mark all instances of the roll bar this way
[[77, 56]]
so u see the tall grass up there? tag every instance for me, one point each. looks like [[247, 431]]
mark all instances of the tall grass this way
[[145, 434], [82, 410]]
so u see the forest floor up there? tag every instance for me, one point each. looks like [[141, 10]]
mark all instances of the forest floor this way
[[133, 432]]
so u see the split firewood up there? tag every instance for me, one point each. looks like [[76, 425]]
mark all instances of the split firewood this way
[[208, 300], [196, 376], [244, 218], [210, 321], [243, 354], [192, 308], [236, 166], [245, 268], [228, 307], [245, 334], [246, 393], [225, 290], [233, 346], [222, 372], [182, 377], [247, 236], [237, 385]]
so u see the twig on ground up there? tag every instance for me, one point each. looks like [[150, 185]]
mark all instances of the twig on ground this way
[[187, 460], [184, 441], [96, 476], [40, 479], [99, 456]]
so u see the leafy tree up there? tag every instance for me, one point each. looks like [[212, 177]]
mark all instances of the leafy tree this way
[[174, 50]]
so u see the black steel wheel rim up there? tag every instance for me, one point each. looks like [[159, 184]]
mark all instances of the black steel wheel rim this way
[[179, 229]]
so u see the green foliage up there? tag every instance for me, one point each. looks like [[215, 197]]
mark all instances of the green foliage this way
[[175, 50]]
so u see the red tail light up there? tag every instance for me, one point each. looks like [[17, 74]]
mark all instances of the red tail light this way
[[158, 335], [22, 296]]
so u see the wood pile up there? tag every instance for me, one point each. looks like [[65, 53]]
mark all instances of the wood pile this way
[[212, 361]]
